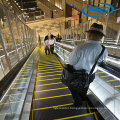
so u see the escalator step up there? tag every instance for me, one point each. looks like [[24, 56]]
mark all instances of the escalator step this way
[[62, 112]]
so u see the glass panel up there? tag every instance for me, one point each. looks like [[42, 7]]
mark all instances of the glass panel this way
[[21, 35], [7, 39], [13, 54]]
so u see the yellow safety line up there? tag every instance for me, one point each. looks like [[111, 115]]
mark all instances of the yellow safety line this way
[[49, 69], [52, 89], [50, 72], [46, 59], [18, 88], [24, 75], [48, 62], [7, 113], [48, 65], [88, 107], [50, 84], [66, 118], [25, 72], [117, 86], [48, 79], [95, 116], [14, 94], [20, 78], [11, 102], [53, 97], [105, 76], [48, 75], [112, 80], [98, 72], [53, 107], [54, 62], [20, 83]]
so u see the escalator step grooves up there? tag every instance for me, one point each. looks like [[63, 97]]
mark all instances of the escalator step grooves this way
[[52, 99]]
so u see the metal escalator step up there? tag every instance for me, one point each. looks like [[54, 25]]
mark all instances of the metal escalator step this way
[[48, 77], [52, 101], [52, 93], [39, 88], [62, 112], [80, 117], [48, 81]]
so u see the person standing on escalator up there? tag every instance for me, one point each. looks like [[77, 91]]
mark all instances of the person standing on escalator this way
[[47, 45], [84, 56], [52, 42]]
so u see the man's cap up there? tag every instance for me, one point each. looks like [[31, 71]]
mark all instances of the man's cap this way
[[96, 28]]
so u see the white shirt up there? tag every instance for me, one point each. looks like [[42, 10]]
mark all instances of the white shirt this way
[[46, 43], [84, 56], [52, 41]]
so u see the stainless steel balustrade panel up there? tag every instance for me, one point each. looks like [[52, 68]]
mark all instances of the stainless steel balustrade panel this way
[[12, 103], [106, 87]]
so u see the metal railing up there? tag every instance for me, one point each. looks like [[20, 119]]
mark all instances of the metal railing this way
[[111, 29], [16, 40], [105, 82]]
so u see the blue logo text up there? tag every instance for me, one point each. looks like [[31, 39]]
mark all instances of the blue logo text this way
[[98, 11]]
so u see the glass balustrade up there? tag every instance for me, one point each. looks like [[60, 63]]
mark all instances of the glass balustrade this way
[[16, 40]]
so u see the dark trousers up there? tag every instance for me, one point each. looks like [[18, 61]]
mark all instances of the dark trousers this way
[[51, 49], [80, 96], [47, 50]]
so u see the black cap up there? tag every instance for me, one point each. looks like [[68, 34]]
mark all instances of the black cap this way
[[96, 28]]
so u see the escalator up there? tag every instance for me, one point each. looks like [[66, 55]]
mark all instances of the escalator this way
[[52, 100]]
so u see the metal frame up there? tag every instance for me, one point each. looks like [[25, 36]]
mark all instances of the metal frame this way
[[30, 35]]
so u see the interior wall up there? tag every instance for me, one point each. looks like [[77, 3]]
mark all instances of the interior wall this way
[[68, 11]]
